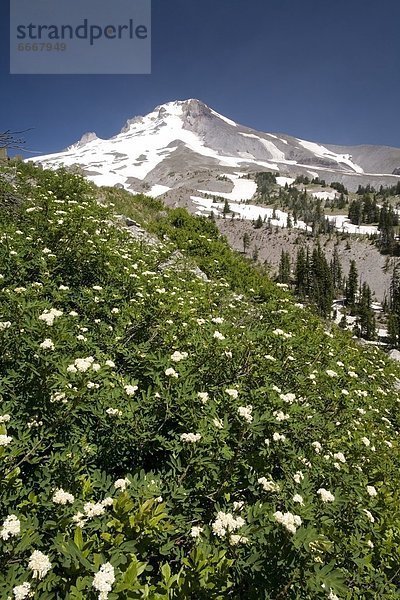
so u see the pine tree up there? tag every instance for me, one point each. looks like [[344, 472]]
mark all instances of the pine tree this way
[[301, 273], [246, 241], [284, 268], [351, 285], [321, 286], [226, 210], [259, 223], [366, 316], [394, 308], [336, 271], [393, 330]]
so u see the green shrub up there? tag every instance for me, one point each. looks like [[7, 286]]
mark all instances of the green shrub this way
[[163, 436]]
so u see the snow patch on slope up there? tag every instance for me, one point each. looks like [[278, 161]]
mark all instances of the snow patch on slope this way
[[321, 151], [282, 181], [343, 224], [157, 190], [243, 189], [324, 195], [223, 118], [249, 212]]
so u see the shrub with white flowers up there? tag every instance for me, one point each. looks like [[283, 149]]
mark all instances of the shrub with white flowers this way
[[212, 440]]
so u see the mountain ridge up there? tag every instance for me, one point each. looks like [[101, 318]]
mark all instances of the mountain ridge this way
[[159, 152]]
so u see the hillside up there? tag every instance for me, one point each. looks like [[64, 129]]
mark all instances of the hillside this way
[[173, 424]]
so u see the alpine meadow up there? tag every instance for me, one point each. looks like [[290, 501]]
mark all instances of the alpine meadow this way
[[173, 424]]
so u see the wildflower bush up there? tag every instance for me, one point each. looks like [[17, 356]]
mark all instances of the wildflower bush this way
[[165, 436]]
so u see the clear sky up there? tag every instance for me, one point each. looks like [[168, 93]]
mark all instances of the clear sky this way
[[323, 70]]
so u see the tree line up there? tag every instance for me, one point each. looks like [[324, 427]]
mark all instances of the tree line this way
[[319, 282]]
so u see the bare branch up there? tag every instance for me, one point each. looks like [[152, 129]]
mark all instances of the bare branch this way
[[12, 139]]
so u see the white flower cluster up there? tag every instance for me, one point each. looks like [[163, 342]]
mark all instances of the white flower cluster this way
[[114, 412], [61, 497], [236, 539], [58, 397], [103, 580], [5, 418], [245, 412], [326, 495], [268, 485], [281, 333], [130, 389], [280, 416], [82, 365], [95, 509], [289, 398], [196, 531], [49, 316], [372, 491], [47, 344], [39, 563], [170, 372], [331, 373], [290, 521], [190, 438], [11, 527], [298, 499], [218, 336], [22, 591], [121, 484], [369, 515], [178, 356], [5, 440], [226, 523], [203, 397], [91, 510], [298, 477], [339, 456], [4, 325], [317, 447], [232, 393]]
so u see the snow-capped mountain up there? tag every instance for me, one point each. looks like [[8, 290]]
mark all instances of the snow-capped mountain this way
[[183, 148]]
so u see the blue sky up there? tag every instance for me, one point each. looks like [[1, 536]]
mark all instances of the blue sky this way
[[322, 70]]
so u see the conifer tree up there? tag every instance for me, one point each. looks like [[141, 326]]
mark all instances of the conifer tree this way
[[226, 210], [284, 268], [366, 316], [301, 273], [336, 271], [259, 223], [321, 286], [246, 241], [351, 285], [394, 308]]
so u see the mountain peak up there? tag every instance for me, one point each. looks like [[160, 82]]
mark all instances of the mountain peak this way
[[181, 138], [87, 137], [188, 111]]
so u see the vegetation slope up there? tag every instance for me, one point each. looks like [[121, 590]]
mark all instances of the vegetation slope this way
[[167, 436]]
